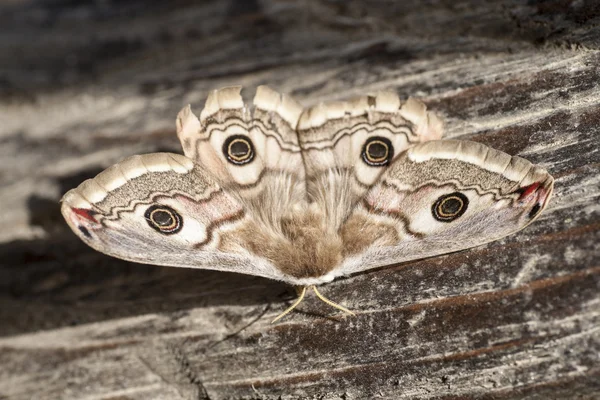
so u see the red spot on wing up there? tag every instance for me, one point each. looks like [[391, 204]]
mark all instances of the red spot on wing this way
[[85, 213], [527, 191]]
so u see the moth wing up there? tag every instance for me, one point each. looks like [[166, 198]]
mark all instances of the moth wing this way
[[439, 197], [252, 149], [348, 144], [163, 209]]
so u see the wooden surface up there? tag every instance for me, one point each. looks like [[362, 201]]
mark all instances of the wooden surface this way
[[84, 84]]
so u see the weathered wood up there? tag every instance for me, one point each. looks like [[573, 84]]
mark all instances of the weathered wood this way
[[83, 86]]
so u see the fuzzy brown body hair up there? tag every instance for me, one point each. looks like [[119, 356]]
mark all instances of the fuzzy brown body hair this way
[[306, 239], [304, 247]]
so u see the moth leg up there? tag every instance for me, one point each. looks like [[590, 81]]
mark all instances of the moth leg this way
[[331, 303], [290, 308]]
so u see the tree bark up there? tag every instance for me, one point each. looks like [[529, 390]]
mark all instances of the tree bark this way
[[84, 85]]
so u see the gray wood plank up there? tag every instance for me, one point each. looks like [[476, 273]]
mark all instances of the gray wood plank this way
[[85, 84]]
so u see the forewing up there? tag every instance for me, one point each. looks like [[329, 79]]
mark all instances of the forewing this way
[[439, 197], [163, 209]]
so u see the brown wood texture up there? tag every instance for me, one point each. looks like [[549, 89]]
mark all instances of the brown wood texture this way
[[84, 84]]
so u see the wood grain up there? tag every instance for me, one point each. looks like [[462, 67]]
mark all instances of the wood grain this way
[[85, 84]]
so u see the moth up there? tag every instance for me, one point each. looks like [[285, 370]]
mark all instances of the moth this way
[[306, 195]]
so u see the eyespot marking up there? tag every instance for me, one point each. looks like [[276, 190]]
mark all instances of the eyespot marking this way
[[449, 207], [238, 149], [163, 219], [377, 151]]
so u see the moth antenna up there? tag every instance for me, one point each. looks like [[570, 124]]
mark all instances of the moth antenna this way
[[331, 303], [290, 308]]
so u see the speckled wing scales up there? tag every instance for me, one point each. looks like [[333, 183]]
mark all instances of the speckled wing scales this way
[[439, 197], [163, 209], [348, 144]]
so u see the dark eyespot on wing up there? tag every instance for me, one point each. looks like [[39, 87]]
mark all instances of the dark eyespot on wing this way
[[238, 149], [377, 151], [449, 207], [163, 219]]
